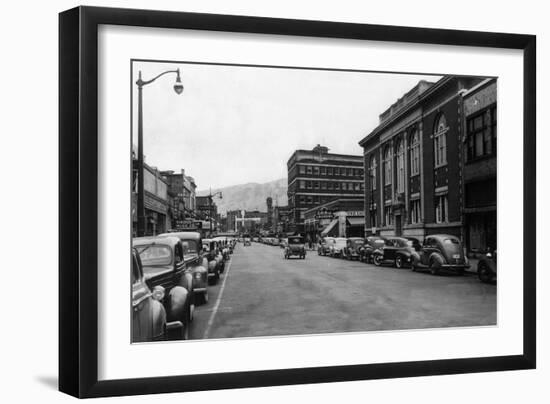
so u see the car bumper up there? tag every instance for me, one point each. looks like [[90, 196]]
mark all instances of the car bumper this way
[[199, 290]]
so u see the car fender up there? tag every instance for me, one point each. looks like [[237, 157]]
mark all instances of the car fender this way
[[490, 264], [176, 304], [437, 258], [378, 251], [415, 258], [159, 319], [212, 266]]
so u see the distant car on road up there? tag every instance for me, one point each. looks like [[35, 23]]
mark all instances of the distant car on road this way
[[295, 246], [337, 247], [487, 267], [168, 277], [352, 249], [440, 252], [325, 245], [247, 241]]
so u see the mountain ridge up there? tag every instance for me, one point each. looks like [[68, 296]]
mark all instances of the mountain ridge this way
[[250, 195]]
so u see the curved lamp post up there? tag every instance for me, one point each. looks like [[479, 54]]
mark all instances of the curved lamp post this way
[[178, 88]]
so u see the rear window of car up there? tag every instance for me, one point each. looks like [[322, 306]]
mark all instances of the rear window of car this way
[[450, 241], [190, 247], [155, 255]]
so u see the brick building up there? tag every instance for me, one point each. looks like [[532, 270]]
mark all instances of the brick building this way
[[413, 161], [316, 177]]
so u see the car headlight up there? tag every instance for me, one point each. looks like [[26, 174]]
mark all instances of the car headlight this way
[[158, 293]]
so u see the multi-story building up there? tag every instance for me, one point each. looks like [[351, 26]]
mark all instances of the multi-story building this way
[[281, 220], [316, 177], [413, 161], [155, 201], [480, 167]]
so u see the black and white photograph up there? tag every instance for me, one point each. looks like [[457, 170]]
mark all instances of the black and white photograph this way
[[272, 201]]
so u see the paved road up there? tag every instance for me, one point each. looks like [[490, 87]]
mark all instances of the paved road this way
[[263, 294]]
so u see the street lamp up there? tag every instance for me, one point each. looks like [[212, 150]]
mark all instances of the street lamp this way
[[178, 88], [210, 196]]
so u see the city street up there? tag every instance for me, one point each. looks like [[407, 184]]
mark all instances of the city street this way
[[262, 294]]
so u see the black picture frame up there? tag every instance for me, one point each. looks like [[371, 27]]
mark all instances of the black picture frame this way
[[78, 196]]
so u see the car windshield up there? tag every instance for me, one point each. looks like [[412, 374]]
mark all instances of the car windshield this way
[[295, 241], [155, 255], [357, 242], [190, 247]]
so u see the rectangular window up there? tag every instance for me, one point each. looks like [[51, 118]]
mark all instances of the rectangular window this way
[[309, 170], [323, 185], [316, 170], [329, 171], [323, 170], [344, 186], [481, 134], [309, 200], [336, 186], [302, 169], [329, 185], [302, 184], [372, 215], [315, 184], [350, 172], [387, 216], [308, 184], [415, 211], [441, 209]]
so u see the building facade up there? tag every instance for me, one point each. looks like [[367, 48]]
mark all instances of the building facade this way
[[413, 161], [480, 167], [155, 201], [337, 218], [316, 177]]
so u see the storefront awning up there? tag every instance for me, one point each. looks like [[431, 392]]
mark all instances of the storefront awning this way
[[329, 227], [356, 221]]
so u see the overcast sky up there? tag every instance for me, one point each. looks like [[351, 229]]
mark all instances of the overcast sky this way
[[233, 125]]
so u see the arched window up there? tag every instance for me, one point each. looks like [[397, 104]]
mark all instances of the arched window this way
[[415, 153], [440, 141], [372, 173], [387, 166], [400, 167]]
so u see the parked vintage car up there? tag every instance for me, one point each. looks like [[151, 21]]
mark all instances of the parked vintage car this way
[[353, 247], [295, 246], [148, 313], [325, 245], [372, 243], [337, 247], [195, 261], [247, 241], [215, 261], [397, 251], [487, 267], [440, 252], [223, 244], [168, 277]]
